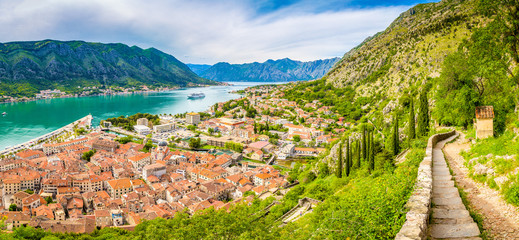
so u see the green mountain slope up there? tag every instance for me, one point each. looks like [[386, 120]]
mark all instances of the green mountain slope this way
[[281, 70], [411, 49], [49, 63]]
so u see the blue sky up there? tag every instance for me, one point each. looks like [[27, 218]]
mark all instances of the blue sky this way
[[206, 31]]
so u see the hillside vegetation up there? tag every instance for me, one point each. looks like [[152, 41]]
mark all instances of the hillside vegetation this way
[[29, 66], [410, 50]]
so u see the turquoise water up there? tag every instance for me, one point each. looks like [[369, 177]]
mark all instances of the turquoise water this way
[[27, 120]]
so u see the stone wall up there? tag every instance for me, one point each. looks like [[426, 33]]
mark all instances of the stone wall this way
[[484, 128], [419, 204]]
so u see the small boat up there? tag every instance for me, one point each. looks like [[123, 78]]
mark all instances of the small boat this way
[[196, 95], [4, 113]]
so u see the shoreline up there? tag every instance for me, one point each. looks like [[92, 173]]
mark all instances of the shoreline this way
[[93, 95], [46, 136], [25, 99]]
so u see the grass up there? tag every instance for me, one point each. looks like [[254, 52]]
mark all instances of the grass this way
[[212, 147], [502, 145], [489, 152]]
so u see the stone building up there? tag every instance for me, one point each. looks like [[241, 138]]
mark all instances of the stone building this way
[[107, 145], [193, 118], [142, 121], [484, 122]]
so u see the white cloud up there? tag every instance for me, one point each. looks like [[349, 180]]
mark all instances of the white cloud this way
[[201, 31]]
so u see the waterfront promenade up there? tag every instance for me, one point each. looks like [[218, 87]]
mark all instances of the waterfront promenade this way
[[69, 127]]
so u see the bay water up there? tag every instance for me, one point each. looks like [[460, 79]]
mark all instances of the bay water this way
[[27, 120]]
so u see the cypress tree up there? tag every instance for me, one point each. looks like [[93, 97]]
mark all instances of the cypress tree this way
[[423, 115], [339, 163], [369, 152], [372, 154], [364, 149], [396, 138], [348, 165], [358, 154], [411, 129]]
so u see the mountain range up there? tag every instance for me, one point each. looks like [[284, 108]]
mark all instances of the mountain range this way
[[282, 70], [73, 63]]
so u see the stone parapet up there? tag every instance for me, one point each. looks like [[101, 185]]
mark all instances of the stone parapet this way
[[419, 204]]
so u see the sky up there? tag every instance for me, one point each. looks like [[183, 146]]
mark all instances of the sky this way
[[207, 31]]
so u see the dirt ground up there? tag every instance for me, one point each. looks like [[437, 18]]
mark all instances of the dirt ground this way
[[500, 218]]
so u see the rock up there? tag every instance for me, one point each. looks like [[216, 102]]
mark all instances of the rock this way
[[490, 155], [389, 107], [490, 172], [473, 161], [480, 169], [501, 180]]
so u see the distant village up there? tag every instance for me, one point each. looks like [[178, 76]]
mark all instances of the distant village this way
[[85, 91], [89, 179]]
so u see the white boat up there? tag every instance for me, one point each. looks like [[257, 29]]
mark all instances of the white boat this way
[[4, 113], [196, 95]]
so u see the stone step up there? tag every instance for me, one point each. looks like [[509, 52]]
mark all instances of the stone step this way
[[446, 201], [454, 230], [447, 213], [451, 221], [441, 173], [440, 165], [446, 195], [440, 168], [445, 190], [443, 183], [442, 178], [458, 206]]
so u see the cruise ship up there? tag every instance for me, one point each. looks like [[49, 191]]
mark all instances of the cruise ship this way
[[196, 95]]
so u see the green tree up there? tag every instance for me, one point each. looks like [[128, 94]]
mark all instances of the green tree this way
[[29, 191], [364, 142], [48, 199], [296, 138], [13, 207], [505, 24], [194, 143], [191, 128], [210, 131], [411, 127], [348, 160], [147, 147], [372, 153], [339, 163], [357, 150], [423, 115], [251, 112], [124, 140], [396, 136], [88, 155]]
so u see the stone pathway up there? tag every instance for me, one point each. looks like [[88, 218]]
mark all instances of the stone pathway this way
[[450, 218], [500, 218]]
